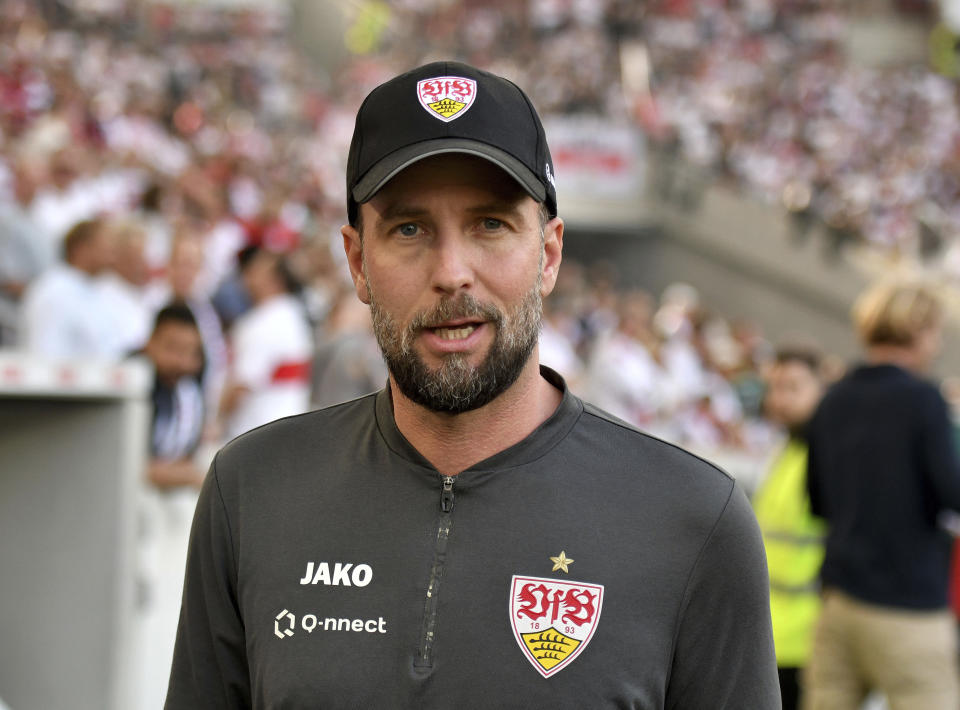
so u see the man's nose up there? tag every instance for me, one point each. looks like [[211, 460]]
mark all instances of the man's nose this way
[[452, 270]]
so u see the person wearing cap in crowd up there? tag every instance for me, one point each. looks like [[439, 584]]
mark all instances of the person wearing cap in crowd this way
[[473, 535]]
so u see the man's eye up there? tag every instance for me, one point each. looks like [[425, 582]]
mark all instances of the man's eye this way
[[408, 230], [492, 224]]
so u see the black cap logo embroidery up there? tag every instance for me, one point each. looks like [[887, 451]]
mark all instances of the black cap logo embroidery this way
[[447, 97]]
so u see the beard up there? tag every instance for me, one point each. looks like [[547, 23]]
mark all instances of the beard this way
[[456, 386]]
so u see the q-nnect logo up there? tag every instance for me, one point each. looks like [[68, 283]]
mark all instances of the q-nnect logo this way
[[285, 629], [286, 624]]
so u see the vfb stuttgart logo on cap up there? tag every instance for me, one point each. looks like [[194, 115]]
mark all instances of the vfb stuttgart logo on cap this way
[[553, 620], [447, 97]]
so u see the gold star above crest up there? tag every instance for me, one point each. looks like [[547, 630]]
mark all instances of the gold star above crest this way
[[561, 562]]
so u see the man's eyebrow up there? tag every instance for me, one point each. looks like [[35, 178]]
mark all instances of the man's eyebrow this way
[[395, 210], [504, 207]]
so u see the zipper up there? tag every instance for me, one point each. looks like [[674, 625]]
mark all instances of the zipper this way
[[431, 603]]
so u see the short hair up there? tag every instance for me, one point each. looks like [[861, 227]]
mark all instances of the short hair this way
[[806, 355], [176, 312], [80, 234], [894, 313]]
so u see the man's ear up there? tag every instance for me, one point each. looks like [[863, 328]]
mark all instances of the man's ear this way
[[353, 248], [552, 254]]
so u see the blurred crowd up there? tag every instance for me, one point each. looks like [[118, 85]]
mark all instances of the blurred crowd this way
[[204, 169], [762, 93]]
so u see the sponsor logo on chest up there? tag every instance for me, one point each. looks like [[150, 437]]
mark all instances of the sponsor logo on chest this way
[[340, 574]]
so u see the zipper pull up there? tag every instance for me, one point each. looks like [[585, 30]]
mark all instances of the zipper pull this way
[[446, 495]]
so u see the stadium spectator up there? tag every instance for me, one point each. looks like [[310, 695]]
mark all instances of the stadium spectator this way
[[882, 468], [183, 271], [793, 537], [63, 310], [123, 288], [176, 353], [623, 376], [272, 346], [347, 363], [174, 350], [24, 251]]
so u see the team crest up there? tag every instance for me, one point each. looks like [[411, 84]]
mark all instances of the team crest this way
[[446, 97], [553, 620]]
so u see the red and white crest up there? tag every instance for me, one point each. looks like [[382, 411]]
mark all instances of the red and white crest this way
[[553, 620], [447, 97]]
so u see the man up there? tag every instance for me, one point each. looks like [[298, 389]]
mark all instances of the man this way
[[24, 250], [792, 536], [623, 375], [123, 288], [473, 535], [882, 468], [183, 270], [176, 353], [272, 346], [63, 311]]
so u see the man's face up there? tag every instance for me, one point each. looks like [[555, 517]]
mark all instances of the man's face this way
[[793, 393], [260, 276], [99, 253], [176, 351], [454, 268]]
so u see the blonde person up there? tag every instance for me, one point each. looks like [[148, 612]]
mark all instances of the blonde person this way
[[882, 467]]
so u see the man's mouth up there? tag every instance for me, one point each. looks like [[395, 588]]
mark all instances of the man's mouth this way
[[455, 328], [455, 333]]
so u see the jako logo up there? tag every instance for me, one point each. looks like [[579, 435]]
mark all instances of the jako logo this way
[[343, 575]]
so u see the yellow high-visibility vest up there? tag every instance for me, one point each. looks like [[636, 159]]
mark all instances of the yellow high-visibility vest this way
[[793, 538]]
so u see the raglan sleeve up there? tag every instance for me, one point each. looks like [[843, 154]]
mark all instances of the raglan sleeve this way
[[209, 662], [723, 651]]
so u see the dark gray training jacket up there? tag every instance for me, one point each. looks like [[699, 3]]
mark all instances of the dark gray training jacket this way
[[588, 566]]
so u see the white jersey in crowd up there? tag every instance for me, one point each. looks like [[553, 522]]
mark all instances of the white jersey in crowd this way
[[272, 351], [128, 312], [63, 317], [624, 379]]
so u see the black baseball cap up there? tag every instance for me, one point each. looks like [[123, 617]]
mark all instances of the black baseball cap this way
[[448, 107]]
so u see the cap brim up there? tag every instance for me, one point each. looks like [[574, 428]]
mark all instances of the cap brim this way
[[385, 170]]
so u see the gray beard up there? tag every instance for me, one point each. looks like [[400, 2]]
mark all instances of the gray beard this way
[[456, 386]]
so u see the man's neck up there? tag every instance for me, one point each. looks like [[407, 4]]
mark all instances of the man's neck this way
[[454, 442]]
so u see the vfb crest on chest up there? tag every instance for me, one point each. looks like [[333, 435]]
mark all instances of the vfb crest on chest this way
[[553, 620]]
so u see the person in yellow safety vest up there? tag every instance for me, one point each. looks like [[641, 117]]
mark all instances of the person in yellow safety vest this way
[[792, 535]]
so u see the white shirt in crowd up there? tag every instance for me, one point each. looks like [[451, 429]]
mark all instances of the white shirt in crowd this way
[[272, 351], [623, 378], [128, 312], [63, 317]]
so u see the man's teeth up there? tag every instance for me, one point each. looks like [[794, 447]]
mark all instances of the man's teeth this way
[[455, 333]]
